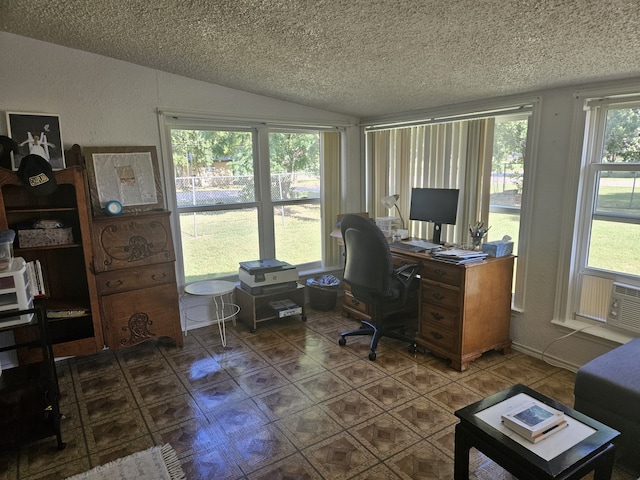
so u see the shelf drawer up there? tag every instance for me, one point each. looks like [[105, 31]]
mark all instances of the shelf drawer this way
[[435, 316], [432, 293], [442, 273], [136, 278]]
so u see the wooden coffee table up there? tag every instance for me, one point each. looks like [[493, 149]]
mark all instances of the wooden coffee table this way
[[585, 446]]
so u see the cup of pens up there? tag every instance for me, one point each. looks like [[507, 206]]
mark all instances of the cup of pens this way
[[477, 232]]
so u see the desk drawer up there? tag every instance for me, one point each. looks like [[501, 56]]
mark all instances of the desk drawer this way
[[433, 316], [352, 302], [136, 278], [442, 337], [399, 260], [435, 294], [442, 273]]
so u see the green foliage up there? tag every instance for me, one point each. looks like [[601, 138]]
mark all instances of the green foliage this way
[[194, 150], [622, 135], [509, 142], [294, 152]]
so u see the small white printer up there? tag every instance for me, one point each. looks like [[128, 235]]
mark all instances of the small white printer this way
[[263, 276]]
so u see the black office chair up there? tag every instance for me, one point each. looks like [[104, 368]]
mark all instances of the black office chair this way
[[370, 273]]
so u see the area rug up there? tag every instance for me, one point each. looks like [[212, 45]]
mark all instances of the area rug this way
[[156, 463]]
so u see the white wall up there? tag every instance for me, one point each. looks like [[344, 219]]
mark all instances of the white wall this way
[[557, 156], [104, 102]]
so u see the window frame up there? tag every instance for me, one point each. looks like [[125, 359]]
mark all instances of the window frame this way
[[578, 214], [525, 108], [525, 210], [262, 202], [591, 167]]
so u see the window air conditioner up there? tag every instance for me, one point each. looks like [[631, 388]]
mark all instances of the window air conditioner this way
[[624, 307]]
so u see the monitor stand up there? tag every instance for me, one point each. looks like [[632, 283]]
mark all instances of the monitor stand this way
[[437, 228]]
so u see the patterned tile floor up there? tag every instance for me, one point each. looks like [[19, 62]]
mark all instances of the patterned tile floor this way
[[283, 402]]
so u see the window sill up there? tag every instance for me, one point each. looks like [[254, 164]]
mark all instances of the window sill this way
[[592, 329]]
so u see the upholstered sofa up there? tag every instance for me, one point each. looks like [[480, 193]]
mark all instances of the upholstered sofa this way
[[608, 389]]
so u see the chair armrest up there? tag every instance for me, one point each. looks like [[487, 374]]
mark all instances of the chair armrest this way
[[406, 273], [413, 268]]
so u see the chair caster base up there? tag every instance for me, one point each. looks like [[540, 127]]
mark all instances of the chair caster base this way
[[372, 356], [342, 341]]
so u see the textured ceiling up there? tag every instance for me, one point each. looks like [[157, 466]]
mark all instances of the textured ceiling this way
[[358, 57]]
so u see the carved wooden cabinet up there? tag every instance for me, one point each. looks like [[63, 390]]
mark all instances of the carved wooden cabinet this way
[[135, 273]]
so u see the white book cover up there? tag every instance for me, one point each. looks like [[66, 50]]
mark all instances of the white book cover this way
[[534, 419]]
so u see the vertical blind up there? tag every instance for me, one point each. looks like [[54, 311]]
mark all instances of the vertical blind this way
[[443, 155], [331, 204]]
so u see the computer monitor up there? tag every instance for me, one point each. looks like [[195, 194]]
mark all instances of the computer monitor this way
[[437, 205]]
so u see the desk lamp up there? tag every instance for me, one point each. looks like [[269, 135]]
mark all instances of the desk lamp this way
[[390, 202]]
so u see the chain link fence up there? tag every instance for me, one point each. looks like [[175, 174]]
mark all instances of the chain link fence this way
[[228, 189]]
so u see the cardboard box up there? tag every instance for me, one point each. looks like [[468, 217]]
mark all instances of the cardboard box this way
[[43, 237], [498, 248]]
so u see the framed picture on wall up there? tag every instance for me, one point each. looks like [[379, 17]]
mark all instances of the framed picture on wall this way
[[37, 133], [128, 175]]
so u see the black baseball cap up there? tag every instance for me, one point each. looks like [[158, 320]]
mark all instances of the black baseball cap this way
[[36, 173]]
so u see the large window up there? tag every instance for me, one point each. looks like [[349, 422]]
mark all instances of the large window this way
[[507, 184], [483, 157], [507, 176], [245, 194], [294, 159], [608, 221]]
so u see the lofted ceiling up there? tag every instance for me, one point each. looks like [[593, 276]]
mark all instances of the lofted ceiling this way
[[358, 57]]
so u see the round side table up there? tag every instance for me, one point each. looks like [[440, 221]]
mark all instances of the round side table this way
[[220, 292]]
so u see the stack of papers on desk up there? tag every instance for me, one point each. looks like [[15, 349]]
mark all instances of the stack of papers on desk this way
[[458, 256]]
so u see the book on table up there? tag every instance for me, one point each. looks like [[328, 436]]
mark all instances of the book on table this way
[[534, 420]]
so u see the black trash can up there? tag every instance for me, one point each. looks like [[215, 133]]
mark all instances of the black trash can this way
[[323, 292]]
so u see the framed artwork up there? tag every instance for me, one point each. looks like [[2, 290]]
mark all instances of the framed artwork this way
[[128, 175], [37, 133]]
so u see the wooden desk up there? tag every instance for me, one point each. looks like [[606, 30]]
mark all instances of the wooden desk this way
[[464, 310]]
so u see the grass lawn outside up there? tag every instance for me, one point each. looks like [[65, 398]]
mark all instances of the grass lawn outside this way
[[215, 242]]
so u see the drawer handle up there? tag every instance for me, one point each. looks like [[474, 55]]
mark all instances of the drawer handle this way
[[355, 302], [437, 316], [159, 277], [115, 283], [437, 335], [438, 296], [439, 271]]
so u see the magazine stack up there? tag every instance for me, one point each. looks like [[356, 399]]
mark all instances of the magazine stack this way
[[534, 420]]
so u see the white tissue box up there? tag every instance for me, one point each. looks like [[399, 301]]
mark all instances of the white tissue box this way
[[498, 248]]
